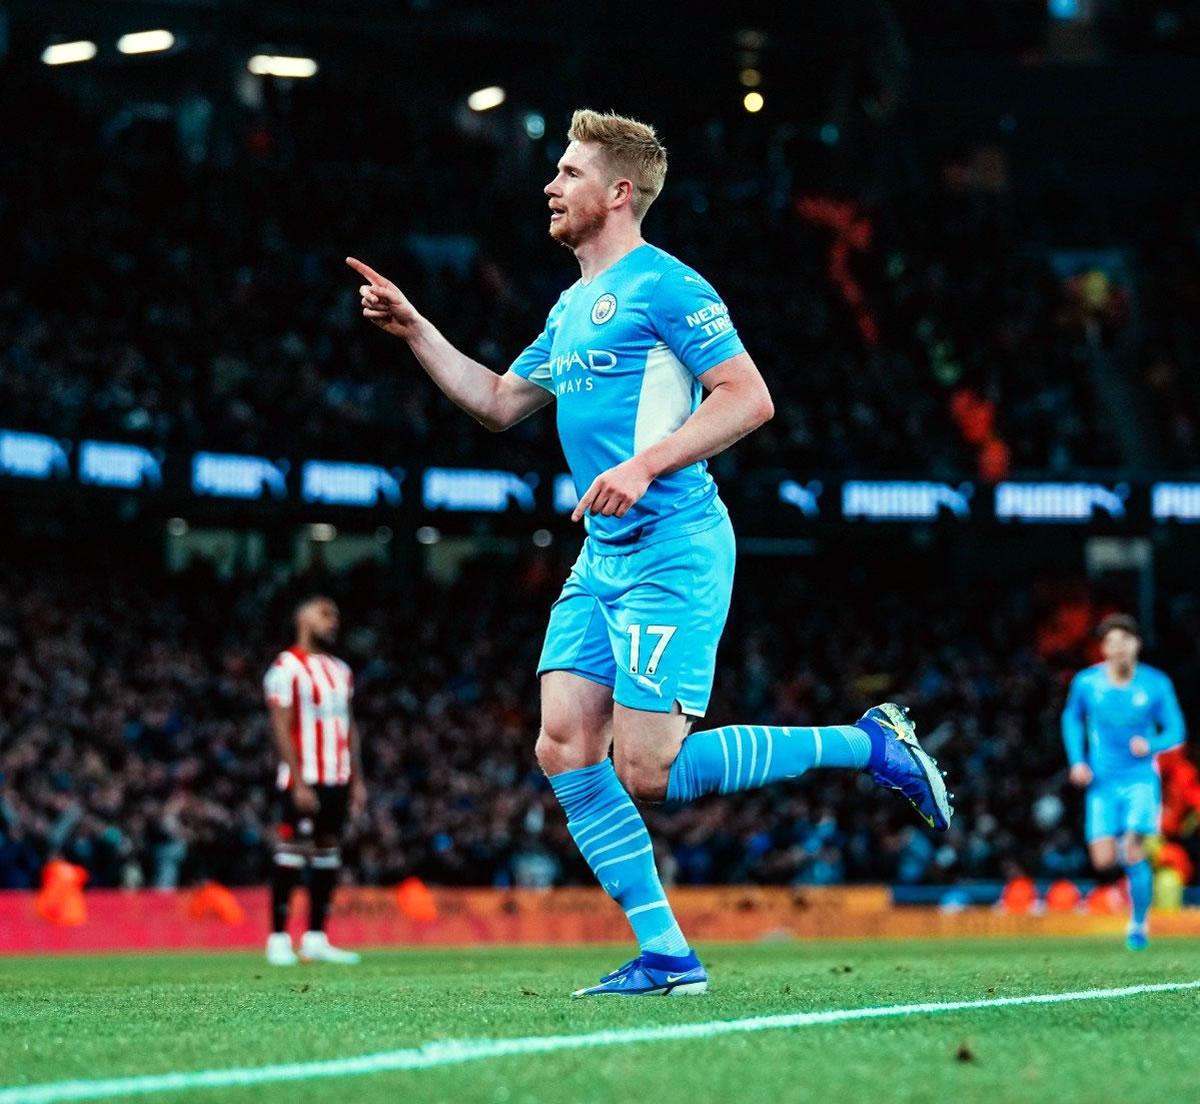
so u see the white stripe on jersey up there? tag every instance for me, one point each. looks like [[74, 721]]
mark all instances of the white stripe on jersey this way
[[321, 731], [326, 677]]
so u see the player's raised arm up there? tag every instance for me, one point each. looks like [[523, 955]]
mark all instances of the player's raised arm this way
[[494, 401]]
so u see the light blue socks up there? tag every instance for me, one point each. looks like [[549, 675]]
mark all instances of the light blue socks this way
[[609, 830], [744, 757], [1141, 889]]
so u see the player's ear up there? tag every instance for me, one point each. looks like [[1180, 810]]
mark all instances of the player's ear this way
[[622, 192]]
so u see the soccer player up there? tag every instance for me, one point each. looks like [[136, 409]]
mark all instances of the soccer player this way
[[628, 660], [320, 778], [1125, 712]]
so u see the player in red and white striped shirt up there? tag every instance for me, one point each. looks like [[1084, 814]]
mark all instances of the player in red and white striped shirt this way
[[320, 777]]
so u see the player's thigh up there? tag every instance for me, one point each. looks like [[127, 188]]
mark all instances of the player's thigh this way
[[329, 821], [577, 716], [294, 829], [1105, 822], [1103, 852], [1143, 807], [577, 672], [577, 638], [1143, 816], [645, 745], [665, 614], [1133, 848]]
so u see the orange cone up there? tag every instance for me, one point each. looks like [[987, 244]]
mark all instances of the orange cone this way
[[415, 900], [60, 900], [1063, 896], [1019, 896], [213, 900], [1104, 900]]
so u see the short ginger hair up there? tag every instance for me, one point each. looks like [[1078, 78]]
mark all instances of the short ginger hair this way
[[630, 147]]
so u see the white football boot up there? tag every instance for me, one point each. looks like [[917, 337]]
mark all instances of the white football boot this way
[[279, 950], [315, 947]]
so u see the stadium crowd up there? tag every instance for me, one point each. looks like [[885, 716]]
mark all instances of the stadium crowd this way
[[927, 333], [133, 738]]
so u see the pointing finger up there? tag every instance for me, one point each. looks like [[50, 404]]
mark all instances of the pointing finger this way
[[581, 507], [365, 270]]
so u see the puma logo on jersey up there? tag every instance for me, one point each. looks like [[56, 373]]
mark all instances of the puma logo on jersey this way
[[650, 684]]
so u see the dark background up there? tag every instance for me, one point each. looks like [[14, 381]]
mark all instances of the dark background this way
[[960, 240]]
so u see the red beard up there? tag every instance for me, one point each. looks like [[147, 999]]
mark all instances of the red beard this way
[[578, 227]]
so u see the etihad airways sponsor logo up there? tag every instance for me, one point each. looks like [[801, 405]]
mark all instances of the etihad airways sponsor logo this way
[[593, 360], [571, 371]]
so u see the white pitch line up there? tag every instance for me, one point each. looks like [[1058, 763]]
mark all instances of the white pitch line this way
[[453, 1052]]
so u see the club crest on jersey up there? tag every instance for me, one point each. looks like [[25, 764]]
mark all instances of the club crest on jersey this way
[[604, 308]]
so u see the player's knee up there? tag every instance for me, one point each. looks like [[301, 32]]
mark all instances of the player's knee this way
[[1135, 852], [558, 749], [644, 779]]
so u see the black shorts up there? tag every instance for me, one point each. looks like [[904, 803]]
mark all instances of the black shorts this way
[[329, 819]]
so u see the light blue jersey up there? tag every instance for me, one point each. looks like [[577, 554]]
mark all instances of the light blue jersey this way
[[623, 355], [1109, 716], [644, 606], [1099, 721]]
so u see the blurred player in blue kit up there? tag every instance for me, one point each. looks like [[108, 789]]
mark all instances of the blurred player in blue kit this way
[[628, 353], [1119, 714]]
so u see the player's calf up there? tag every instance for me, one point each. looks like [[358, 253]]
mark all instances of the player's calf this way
[[744, 757]]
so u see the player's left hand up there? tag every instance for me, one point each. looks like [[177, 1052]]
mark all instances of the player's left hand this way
[[358, 797], [1139, 747], [613, 492]]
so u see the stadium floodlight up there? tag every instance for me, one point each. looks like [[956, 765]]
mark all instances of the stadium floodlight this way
[[279, 65], [753, 102], [750, 78], [68, 53], [145, 42], [484, 99], [322, 531]]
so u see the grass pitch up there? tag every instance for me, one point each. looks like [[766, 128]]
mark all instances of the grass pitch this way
[[99, 1017]]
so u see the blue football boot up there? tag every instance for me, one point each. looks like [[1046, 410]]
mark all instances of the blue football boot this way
[[906, 767], [652, 975], [1137, 938]]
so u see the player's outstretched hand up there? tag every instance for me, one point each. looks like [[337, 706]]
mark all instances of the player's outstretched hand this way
[[613, 492], [384, 303], [1081, 775]]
